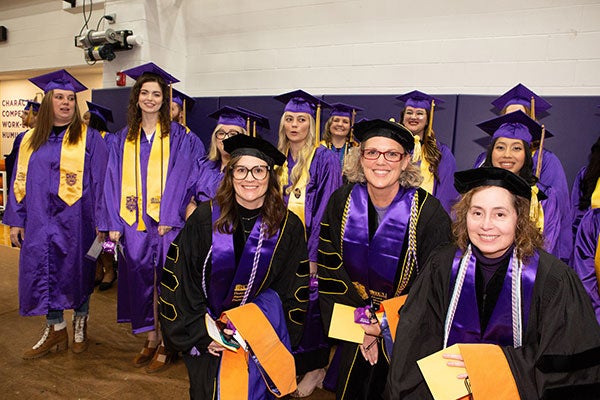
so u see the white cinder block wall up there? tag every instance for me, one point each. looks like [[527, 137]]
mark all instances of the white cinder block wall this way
[[253, 47]]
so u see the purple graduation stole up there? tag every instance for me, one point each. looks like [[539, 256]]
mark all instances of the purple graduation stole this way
[[230, 284], [374, 263], [509, 318]]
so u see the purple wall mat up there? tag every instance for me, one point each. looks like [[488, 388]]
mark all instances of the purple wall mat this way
[[574, 120], [386, 107]]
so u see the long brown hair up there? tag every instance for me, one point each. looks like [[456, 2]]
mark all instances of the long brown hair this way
[[528, 237], [273, 209], [45, 122], [429, 149], [134, 112]]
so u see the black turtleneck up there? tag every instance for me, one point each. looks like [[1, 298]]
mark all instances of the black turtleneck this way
[[489, 278], [246, 220]]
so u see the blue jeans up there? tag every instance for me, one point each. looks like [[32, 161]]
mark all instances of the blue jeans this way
[[56, 316]]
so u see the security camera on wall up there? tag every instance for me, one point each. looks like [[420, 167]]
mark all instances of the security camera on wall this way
[[102, 45]]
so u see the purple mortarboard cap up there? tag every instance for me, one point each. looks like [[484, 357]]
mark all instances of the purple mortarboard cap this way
[[260, 119], [101, 112], [514, 125], [180, 97], [229, 116], [60, 79], [300, 101], [520, 94], [418, 99], [150, 68], [32, 105], [344, 110]]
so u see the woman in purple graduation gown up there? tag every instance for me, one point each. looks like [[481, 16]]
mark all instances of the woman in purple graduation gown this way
[[436, 161], [511, 135], [337, 135], [148, 186], [53, 213], [546, 166], [309, 176], [376, 235]]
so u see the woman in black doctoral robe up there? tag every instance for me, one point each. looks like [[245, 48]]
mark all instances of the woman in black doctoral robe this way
[[242, 259], [375, 237], [526, 319]]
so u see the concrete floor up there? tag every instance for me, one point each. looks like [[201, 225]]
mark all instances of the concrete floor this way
[[104, 371]]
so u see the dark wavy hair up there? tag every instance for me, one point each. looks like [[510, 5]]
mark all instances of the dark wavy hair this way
[[429, 148], [528, 237], [273, 209], [526, 171], [134, 113], [45, 122], [590, 178]]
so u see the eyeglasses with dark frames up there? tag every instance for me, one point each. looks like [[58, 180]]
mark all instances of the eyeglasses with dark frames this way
[[221, 134], [259, 172]]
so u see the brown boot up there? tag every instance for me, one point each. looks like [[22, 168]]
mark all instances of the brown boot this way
[[144, 356], [53, 337], [99, 273], [161, 360], [80, 340]]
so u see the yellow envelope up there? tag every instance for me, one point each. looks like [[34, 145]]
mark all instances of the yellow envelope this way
[[343, 326], [441, 379]]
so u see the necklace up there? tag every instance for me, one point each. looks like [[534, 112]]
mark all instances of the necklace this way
[[250, 218]]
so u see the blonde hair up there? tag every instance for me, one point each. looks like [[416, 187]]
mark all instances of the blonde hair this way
[[305, 152], [213, 152], [353, 170]]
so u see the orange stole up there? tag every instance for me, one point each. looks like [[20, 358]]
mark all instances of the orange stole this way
[[489, 372], [275, 359], [391, 307]]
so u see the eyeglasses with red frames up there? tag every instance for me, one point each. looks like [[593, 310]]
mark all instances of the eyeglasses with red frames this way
[[390, 155]]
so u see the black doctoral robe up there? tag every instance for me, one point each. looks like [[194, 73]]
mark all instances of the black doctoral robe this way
[[560, 355], [287, 275], [357, 378]]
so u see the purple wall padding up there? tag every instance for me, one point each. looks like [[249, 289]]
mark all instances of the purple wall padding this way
[[574, 120]]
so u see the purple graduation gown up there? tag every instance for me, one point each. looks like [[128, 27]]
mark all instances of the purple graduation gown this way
[[145, 251], [53, 271], [443, 189], [325, 177], [576, 213], [584, 254], [207, 177]]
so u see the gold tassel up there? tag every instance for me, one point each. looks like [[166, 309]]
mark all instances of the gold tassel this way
[[184, 113], [538, 169], [254, 129], [430, 122], [532, 111], [248, 131]]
